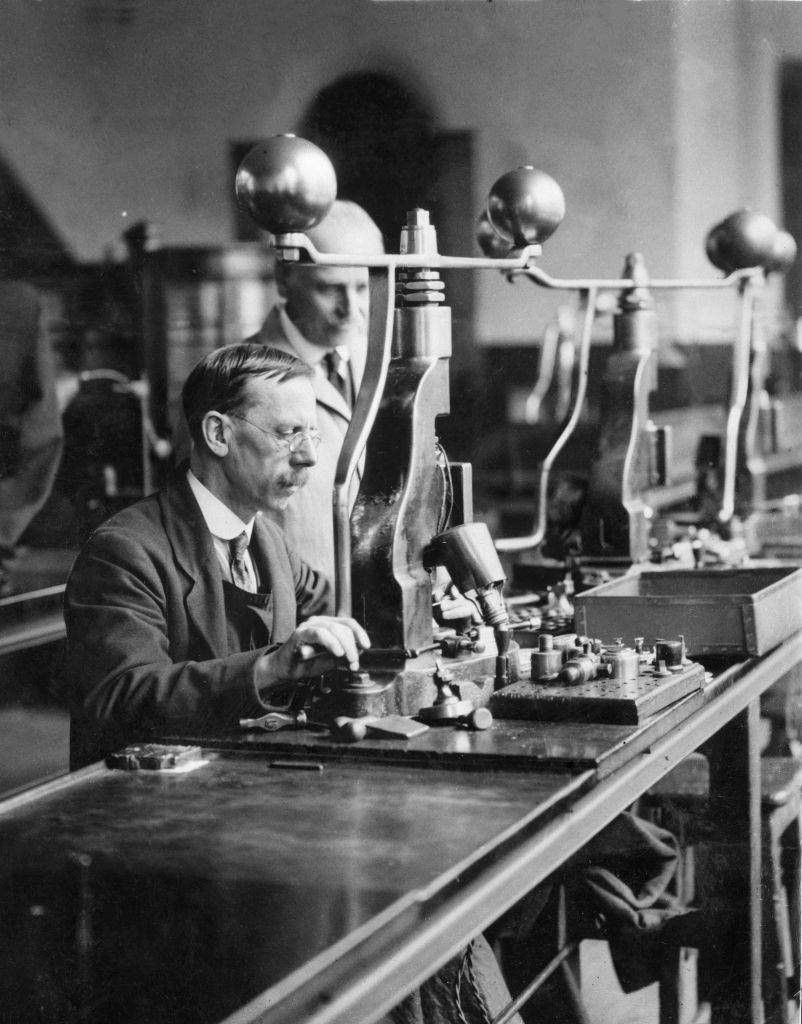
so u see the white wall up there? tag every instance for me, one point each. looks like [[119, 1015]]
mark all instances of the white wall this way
[[656, 118]]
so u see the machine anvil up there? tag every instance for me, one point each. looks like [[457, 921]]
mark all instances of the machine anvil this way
[[413, 509]]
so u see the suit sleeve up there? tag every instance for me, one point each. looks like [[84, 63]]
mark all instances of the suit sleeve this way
[[125, 625], [313, 591]]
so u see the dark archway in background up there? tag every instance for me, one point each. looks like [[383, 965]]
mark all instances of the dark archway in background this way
[[381, 138]]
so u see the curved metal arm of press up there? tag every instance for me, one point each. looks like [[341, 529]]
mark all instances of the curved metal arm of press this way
[[380, 339], [535, 538], [758, 368], [628, 499], [404, 261], [545, 373], [740, 390], [544, 280]]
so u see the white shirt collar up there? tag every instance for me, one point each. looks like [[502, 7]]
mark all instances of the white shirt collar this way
[[311, 354], [222, 522]]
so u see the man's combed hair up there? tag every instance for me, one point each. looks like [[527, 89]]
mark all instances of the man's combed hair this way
[[218, 381]]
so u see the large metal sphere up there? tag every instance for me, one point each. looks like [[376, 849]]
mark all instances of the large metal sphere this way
[[286, 184], [526, 206], [744, 239], [783, 253], [712, 246], [489, 240]]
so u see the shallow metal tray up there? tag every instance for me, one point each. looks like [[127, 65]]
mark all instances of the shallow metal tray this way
[[718, 611]]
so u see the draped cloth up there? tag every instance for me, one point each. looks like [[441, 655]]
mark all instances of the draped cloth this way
[[617, 888]]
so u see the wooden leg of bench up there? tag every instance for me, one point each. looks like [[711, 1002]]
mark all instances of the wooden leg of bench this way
[[734, 756]]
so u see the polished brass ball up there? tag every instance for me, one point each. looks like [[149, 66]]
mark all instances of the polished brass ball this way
[[286, 184], [489, 240], [525, 206], [744, 239], [783, 253]]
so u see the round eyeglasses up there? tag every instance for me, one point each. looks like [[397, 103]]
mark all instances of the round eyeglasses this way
[[292, 440]]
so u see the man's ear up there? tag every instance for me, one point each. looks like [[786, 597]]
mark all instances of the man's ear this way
[[216, 433]]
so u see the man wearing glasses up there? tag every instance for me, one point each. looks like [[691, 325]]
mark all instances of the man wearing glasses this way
[[323, 320], [185, 610]]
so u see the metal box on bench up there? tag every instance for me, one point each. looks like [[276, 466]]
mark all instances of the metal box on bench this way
[[718, 611]]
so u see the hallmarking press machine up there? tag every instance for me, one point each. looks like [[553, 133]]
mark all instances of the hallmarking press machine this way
[[656, 478], [644, 466], [413, 510]]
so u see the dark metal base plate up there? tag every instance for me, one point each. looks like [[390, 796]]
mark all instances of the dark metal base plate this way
[[599, 700]]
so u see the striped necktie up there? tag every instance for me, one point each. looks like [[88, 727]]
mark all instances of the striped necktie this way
[[240, 574], [337, 373]]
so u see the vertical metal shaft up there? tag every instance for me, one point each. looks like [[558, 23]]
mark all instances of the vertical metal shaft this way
[[380, 338]]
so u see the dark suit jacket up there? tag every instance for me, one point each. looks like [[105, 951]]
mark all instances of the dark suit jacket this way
[[147, 650]]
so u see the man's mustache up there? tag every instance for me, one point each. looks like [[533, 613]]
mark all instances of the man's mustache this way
[[298, 479]]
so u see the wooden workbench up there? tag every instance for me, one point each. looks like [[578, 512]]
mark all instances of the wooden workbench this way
[[326, 890], [32, 615]]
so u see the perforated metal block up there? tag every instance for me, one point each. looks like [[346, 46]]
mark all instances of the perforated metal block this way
[[599, 700]]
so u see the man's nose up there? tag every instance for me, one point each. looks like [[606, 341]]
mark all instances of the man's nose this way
[[348, 299], [305, 454]]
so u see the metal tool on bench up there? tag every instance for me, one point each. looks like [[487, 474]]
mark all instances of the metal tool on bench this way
[[449, 708]]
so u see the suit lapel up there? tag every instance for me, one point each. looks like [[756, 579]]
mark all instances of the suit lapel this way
[[329, 397], [194, 553]]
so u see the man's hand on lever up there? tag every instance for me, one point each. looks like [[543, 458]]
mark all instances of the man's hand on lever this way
[[314, 648]]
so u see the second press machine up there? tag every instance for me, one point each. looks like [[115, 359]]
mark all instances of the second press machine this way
[[402, 510]]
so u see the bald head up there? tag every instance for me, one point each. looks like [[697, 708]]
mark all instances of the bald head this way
[[347, 228], [329, 305]]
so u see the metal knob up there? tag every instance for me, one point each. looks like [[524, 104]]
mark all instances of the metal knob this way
[[744, 239], [478, 719], [525, 206], [286, 184], [350, 730]]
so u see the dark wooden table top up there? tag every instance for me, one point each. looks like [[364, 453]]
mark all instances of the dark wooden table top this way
[[131, 896], [245, 892]]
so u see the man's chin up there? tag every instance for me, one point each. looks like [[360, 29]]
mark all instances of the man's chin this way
[[279, 501], [345, 336], [277, 504]]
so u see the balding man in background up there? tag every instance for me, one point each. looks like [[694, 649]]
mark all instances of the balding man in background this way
[[322, 319]]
